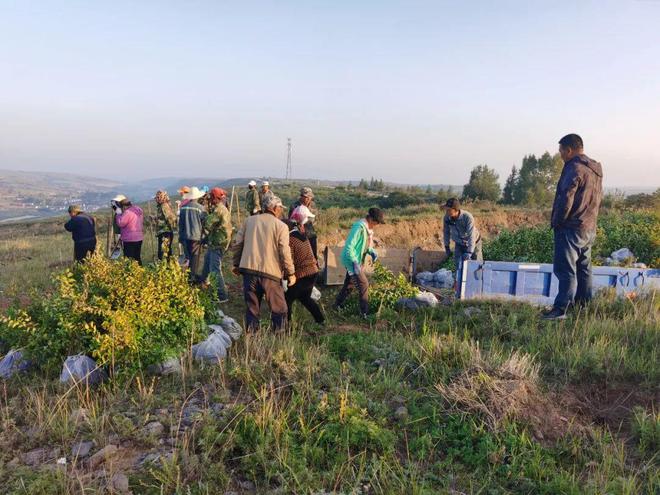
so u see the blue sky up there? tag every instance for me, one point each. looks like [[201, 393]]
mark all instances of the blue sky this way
[[416, 92]]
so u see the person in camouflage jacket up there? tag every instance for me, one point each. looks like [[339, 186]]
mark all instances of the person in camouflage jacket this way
[[165, 224], [252, 199], [217, 234]]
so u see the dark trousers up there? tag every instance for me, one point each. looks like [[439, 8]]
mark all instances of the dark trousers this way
[[302, 291], [572, 267], [313, 242], [133, 250], [82, 249], [213, 265], [165, 244], [360, 281], [193, 250], [254, 289]]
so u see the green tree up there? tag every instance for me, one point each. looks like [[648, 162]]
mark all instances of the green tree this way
[[538, 179], [483, 184], [509, 194]]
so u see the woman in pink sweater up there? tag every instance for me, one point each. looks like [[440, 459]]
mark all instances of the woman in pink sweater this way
[[129, 219]]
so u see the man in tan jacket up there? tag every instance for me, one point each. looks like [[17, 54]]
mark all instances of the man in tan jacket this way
[[262, 255]]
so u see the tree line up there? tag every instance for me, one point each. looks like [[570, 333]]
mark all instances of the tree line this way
[[533, 184]]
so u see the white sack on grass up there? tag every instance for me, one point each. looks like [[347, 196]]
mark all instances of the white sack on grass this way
[[81, 368]]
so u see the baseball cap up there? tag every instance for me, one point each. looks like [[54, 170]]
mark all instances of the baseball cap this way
[[271, 202], [453, 203], [306, 192], [252, 183]]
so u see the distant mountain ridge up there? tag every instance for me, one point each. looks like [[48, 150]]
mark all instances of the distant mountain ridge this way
[[37, 194]]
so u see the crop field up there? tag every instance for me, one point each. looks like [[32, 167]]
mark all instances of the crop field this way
[[466, 397]]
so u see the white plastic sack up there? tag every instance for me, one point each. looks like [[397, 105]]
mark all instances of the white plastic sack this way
[[12, 363], [81, 368], [217, 329], [231, 327], [621, 255], [426, 299], [168, 367], [443, 278], [212, 349], [316, 294], [424, 277]]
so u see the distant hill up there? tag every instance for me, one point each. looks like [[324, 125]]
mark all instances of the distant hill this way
[[25, 195]]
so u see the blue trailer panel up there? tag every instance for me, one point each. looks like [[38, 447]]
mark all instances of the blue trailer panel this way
[[537, 284]]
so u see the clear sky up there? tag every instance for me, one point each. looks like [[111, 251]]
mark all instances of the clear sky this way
[[407, 91]]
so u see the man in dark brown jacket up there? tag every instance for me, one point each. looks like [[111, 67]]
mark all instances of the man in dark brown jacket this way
[[574, 218], [263, 256]]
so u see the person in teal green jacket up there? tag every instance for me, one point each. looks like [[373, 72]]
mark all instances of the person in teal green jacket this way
[[358, 246]]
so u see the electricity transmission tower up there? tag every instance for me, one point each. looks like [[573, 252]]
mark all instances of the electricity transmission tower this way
[[288, 159]]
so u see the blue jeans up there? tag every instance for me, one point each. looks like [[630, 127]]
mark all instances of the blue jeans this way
[[572, 267], [213, 264], [477, 255]]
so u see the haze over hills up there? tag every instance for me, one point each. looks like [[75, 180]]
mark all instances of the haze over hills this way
[[28, 194]]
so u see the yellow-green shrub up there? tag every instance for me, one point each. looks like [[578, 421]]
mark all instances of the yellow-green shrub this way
[[122, 314]]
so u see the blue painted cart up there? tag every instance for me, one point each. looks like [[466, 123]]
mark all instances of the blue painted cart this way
[[535, 283]]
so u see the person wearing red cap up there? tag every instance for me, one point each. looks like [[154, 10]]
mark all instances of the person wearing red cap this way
[[217, 234]]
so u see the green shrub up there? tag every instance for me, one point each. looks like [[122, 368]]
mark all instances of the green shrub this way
[[386, 289], [533, 244], [638, 231], [118, 312]]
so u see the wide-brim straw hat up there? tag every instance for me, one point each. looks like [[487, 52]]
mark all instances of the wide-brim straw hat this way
[[194, 193]]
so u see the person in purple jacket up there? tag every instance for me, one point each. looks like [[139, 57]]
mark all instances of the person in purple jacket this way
[[129, 219]]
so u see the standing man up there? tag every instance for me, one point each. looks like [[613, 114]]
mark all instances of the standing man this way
[[264, 192], [307, 218], [574, 217], [217, 229], [83, 232], [165, 224], [458, 226], [191, 226], [358, 245], [263, 256], [252, 201]]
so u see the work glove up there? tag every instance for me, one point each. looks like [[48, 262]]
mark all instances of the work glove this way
[[467, 256], [357, 269], [448, 250], [291, 280], [374, 256]]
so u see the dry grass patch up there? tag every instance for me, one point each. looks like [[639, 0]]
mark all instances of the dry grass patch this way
[[506, 389]]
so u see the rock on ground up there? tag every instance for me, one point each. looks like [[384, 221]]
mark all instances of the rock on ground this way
[[120, 482], [102, 455], [81, 449]]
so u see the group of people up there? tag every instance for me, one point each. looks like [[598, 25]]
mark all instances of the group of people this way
[[276, 254]]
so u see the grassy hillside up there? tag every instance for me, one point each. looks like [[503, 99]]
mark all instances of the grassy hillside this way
[[463, 398]]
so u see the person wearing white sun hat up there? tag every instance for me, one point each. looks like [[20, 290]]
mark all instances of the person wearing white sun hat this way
[[191, 228], [252, 200], [265, 192]]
